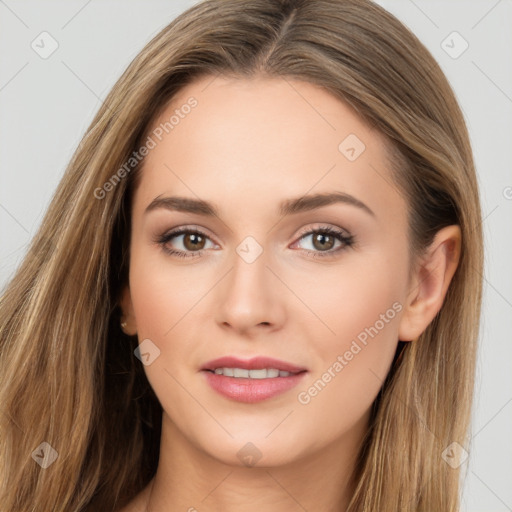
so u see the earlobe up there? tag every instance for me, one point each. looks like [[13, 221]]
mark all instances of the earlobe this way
[[128, 321], [430, 283]]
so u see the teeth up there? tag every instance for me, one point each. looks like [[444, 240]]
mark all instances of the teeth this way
[[258, 374], [265, 373]]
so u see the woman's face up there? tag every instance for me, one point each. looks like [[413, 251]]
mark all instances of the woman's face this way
[[255, 282]]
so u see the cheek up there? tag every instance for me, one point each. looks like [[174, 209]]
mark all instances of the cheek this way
[[361, 306], [165, 300], [164, 293], [354, 297]]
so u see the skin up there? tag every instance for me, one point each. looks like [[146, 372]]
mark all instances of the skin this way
[[248, 145]]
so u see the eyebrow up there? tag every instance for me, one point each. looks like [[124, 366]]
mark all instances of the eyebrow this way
[[286, 207]]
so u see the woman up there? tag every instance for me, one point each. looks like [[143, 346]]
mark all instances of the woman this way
[[258, 282]]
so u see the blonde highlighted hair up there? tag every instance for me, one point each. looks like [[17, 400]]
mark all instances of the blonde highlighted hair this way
[[68, 375]]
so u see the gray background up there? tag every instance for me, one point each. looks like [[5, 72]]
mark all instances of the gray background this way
[[46, 105]]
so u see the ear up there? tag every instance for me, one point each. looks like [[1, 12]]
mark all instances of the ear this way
[[128, 314], [430, 282]]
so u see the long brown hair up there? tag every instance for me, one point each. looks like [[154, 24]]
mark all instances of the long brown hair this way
[[68, 376]]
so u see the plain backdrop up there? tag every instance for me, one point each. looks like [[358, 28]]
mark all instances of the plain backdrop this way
[[47, 103]]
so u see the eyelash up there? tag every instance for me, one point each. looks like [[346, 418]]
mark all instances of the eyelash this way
[[346, 240]]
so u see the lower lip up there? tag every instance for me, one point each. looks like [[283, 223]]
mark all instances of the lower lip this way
[[251, 390]]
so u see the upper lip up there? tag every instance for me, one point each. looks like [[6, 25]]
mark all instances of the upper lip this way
[[256, 363]]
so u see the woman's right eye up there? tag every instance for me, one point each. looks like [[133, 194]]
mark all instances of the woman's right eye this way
[[191, 239]]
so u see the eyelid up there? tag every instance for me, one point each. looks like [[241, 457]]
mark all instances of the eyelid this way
[[187, 228], [322, 227]]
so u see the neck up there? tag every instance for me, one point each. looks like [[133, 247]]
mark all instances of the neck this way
[[190, 479]]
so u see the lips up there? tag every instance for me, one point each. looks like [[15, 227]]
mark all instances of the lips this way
[[256, 363], [252, 390]]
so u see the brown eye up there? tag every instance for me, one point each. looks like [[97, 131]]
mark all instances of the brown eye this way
[[323, 242], [184, 242], [326, 241], [193, 241]]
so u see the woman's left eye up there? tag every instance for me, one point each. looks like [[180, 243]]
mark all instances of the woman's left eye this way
[[193, 241], [325, 238]]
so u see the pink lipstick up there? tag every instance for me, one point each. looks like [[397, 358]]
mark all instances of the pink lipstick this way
[[252, 380]]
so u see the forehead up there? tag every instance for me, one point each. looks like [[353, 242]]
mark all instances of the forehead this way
[[260, 140]]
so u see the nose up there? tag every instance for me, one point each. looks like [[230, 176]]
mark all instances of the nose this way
[[250, 297]]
